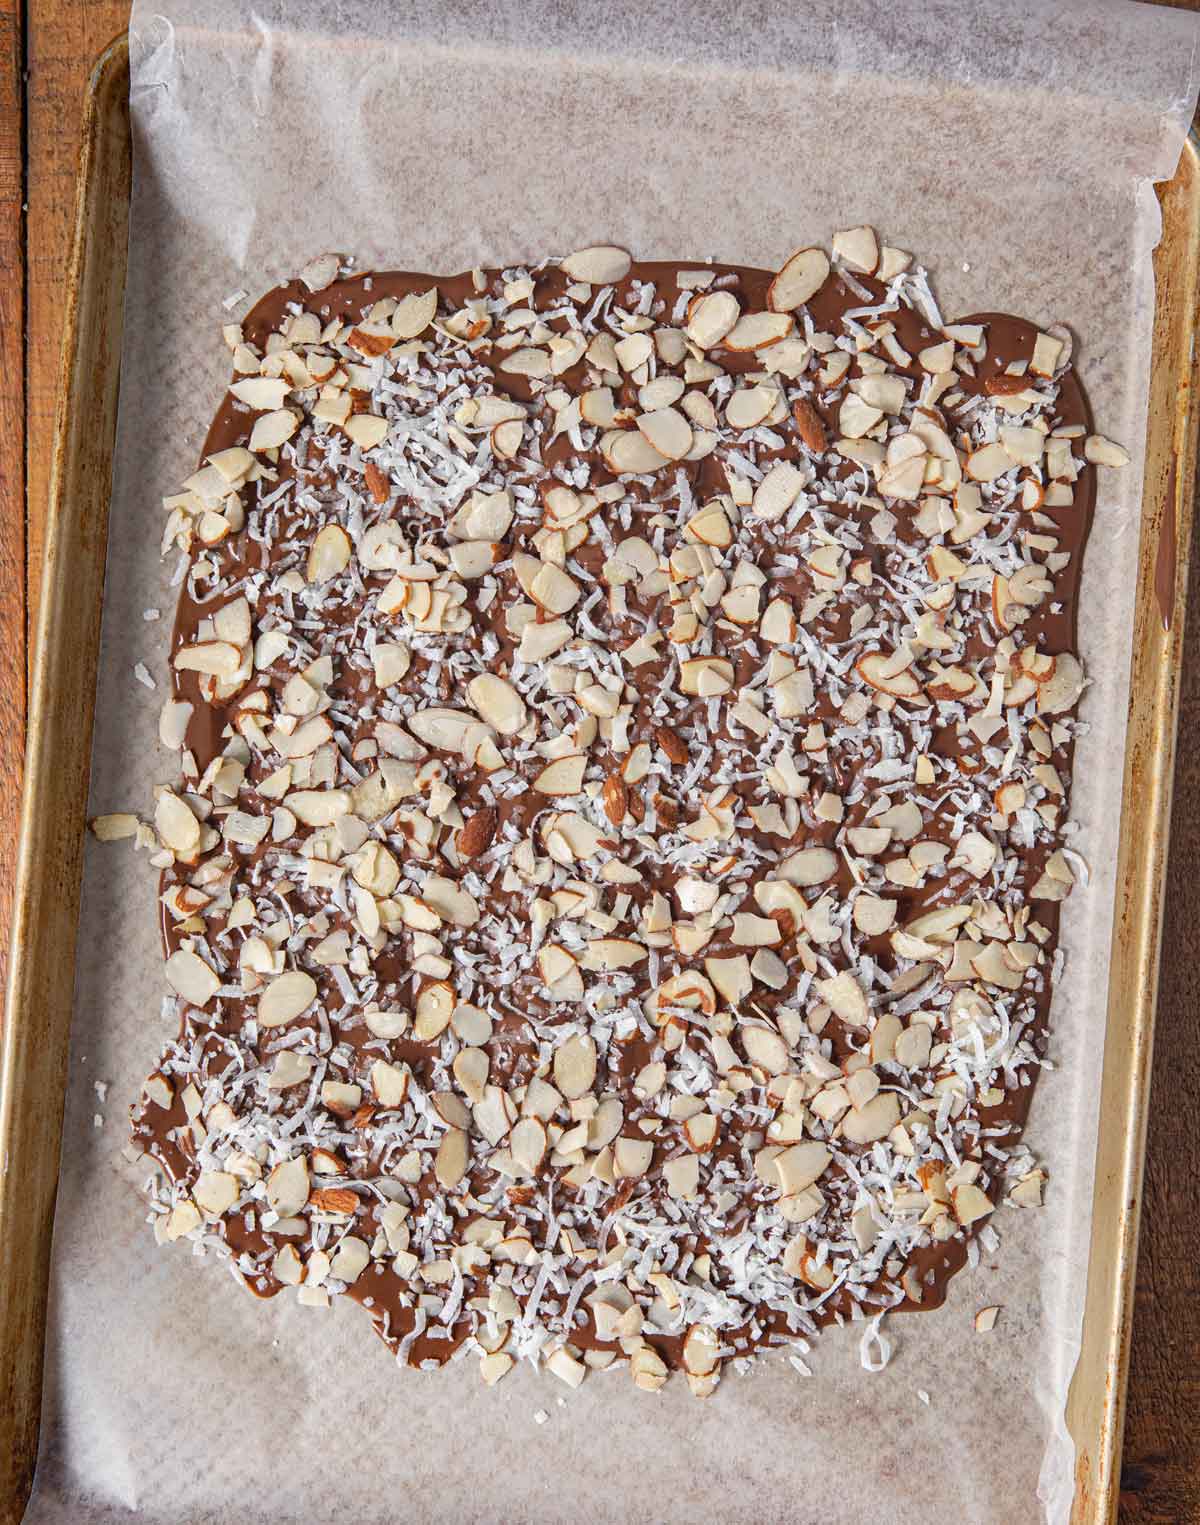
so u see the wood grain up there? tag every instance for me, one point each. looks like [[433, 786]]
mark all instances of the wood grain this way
[[64, 38], [12, 454], [1161, 1474]]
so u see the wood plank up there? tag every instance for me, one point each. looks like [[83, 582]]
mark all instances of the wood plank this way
[[1160, 1472], [12, 456], [64, 39]]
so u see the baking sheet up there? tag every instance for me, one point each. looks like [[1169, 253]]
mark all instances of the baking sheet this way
[[1012, 149]]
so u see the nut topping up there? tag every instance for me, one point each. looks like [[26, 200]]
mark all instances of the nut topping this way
[[625, 724]]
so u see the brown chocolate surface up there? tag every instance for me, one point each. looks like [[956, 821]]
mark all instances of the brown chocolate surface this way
[[367, 1147]]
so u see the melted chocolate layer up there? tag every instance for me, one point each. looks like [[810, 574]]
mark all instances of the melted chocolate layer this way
[[515, 1051]]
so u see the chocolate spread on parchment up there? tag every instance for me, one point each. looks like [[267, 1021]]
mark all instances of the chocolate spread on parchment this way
[[676, 874]]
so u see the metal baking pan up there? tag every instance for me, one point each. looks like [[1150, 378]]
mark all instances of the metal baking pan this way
[[33, 1059]]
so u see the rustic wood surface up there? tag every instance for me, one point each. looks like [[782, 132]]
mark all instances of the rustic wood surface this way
[[46, 52]]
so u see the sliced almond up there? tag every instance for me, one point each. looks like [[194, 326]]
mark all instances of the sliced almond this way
[[629, 452], [758, 330], [598, 265], [1104, 452], [498, 702], [575, 1066], [858, 248], [711, 317], [328, 555], [801, 277], [366, 430], [667, 431], [778, 490], [273, 429], [414, 313], [189, 976], [453, 1156], [286, 998]]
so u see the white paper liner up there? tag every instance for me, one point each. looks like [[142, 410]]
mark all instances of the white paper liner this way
[[1012, 147]]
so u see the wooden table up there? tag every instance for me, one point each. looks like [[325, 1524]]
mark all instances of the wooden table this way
[[39, 119]]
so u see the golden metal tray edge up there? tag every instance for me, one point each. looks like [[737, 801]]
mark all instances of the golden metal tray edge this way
[[41, 978], [1096, 1405], [38, 1004]]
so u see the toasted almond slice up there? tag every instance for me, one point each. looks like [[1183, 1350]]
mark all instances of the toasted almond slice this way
[[668, 432], [858, 248], [562, 777], [937, 358], [528, 361], [682, 1176], [606, 954], [596, 407], [874, 916], [885, 392], [872, 1122], [287, 1187], [629, 452], [371, 338], [766, 1049], [857, 417], [507, 437], [1033, 495], [710, 318], [796, 1168], [778, 490], [599, 265], [1063, 688], [706, 676], [632, 1157], [662, 392], [494, 1366], [177, 827], [809, 866], [633, 351], [498, 702], [471, 1067], [328, 555], [554, 589], [1104, 452], [648, 1369], [700, 1131], [286, 997], [1047, 355], [273, 429], [528, 1143], [575, 1066], [877, 669], [321, 271], [905, 480], [453, 1156], [114, 828], [970, 1203], [1024, 445], [800, 278], [265, 394], [366, 430], [389, 1082], [758, 330], [845, 997], [189, 976], [217, 658], [711, 526], [989, 462], [750, 406], [414, 313]]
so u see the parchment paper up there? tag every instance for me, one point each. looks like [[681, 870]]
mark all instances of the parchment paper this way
[[1012, 147]]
